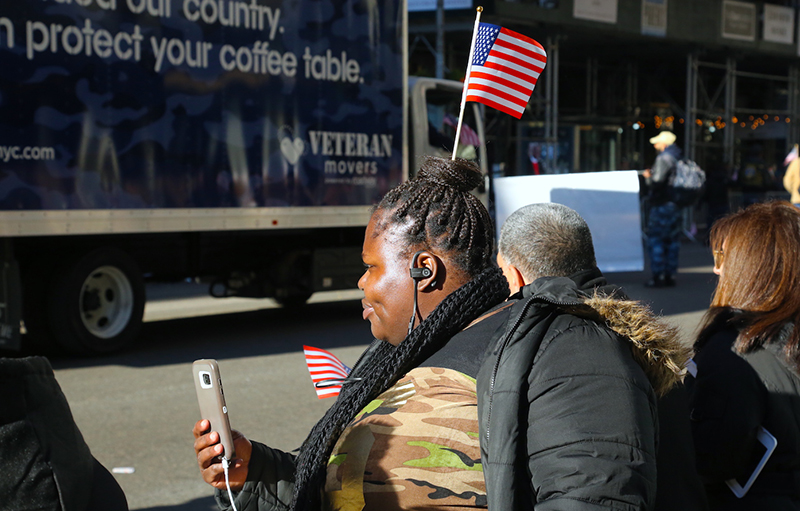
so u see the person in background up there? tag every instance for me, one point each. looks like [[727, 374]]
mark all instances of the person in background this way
[[791, 179], [567, 395], [403, 432], [46, 464], [663, 216], [748, 360]]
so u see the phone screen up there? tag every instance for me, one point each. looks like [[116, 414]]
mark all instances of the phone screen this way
[[759, 450]]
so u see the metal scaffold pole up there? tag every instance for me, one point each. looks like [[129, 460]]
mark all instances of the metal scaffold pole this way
[[551, 104], [730, 111], [794, 106], [691, 105]]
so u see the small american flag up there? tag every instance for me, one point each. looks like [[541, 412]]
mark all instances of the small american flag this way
[[468, 135], [323, 365], [505, 68]]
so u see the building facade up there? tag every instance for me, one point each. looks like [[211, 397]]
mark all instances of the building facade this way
[[722, 74]]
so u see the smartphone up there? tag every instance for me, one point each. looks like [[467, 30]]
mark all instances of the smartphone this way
[[764, 448], [208, 384]]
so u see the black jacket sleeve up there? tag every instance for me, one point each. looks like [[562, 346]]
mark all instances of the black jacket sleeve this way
[[269, 485], [592, 424], [727, 401]]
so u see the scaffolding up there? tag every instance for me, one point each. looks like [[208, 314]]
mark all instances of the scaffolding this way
[[705, 102]]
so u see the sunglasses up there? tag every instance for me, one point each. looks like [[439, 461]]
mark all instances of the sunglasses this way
[[718, 258]]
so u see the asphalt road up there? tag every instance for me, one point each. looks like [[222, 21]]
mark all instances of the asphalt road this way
[[136, 409]]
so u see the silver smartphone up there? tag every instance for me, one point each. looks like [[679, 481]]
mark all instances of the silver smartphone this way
[[208, 384]]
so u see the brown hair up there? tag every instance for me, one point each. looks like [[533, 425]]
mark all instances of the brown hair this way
[[761, 274]]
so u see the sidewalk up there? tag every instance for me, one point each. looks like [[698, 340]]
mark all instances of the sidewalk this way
[[684, 304]]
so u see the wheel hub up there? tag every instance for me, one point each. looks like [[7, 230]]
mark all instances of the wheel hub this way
[[106, 302]]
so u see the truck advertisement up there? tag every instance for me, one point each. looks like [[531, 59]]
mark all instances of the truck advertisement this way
[[237, 143], [151, 104]]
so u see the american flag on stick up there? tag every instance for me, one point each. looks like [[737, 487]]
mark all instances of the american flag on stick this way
[[325, 369], [505, 68]]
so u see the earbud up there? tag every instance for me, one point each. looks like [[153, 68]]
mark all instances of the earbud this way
[[419, 273]]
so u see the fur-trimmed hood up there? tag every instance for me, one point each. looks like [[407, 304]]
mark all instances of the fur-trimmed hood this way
[[656, 344]]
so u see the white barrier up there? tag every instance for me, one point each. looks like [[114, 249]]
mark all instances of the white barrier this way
[[608, 201]]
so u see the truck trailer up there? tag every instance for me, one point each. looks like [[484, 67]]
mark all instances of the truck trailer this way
[[238, 142]]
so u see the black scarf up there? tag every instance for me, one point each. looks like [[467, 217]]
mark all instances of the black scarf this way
[[384, 368]]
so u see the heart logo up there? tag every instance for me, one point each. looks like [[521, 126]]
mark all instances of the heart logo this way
[[292, 149]]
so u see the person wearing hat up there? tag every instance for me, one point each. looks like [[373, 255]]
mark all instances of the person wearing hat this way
[[664, 216]]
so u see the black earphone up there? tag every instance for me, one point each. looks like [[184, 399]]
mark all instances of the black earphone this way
[[416, 274], [419, 273]]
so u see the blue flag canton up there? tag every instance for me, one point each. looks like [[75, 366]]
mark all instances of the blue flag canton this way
[[487, 34]]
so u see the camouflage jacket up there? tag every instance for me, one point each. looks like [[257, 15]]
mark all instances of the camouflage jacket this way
[[415, 446]]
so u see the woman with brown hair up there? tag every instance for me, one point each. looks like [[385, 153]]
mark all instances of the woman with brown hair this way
[[748, 361]]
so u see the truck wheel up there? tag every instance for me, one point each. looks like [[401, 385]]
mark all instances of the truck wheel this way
[[97, 302]]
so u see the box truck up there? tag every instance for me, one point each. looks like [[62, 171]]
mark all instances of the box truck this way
[[241, 142]]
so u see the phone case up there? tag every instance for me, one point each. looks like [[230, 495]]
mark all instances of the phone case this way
[[210, 396], [769, 442]]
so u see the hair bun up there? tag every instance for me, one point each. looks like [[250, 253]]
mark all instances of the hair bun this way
[[461, 174]]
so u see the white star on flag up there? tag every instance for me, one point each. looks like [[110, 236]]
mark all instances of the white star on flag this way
[[504, 70]]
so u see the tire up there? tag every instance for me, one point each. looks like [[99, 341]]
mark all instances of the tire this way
[[96, 302]]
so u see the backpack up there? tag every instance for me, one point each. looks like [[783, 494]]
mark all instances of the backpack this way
[[687, 182]]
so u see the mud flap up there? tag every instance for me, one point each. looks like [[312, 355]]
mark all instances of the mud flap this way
[[10, 300]]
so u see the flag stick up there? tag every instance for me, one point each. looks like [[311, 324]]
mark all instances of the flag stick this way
[[466, 80]]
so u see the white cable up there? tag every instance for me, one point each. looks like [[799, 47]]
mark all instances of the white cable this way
[[225, 465]]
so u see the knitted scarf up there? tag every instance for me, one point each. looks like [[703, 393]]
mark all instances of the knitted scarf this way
[[384, 368]]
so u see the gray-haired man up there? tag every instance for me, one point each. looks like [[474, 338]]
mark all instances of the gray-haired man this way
[[567, 396]]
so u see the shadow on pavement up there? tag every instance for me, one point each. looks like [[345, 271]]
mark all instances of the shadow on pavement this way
[[238, 335], [340, 324], [695, 283], [201, 504]]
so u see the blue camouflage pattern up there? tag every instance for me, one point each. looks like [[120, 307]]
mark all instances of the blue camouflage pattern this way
[[663, 238], [195, 123]]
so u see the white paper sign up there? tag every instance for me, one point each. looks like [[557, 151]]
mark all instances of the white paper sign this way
[[608, 201], [654, 17], [596, 10], [778, 24], [738, 20], [430, 5]]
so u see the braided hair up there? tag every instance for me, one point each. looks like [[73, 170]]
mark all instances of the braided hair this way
[[433, 211], [437, 211]]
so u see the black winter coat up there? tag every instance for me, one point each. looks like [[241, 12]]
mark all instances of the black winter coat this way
[[568, 417], [46, 465], [732, 395]]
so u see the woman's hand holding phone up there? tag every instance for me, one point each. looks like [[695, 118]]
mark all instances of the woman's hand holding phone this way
[[208, 449]]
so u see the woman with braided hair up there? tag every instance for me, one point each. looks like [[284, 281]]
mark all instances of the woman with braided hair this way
[[403, 433]]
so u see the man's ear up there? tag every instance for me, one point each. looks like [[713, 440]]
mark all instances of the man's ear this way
[[512, 274], [425, 259]]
